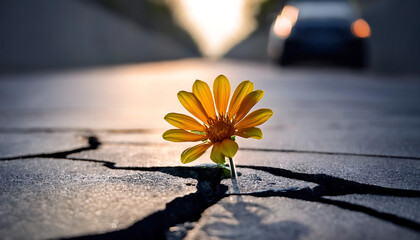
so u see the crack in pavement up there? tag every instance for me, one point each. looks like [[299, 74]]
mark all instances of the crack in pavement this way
[[210, 191], [180, 210], [404, 222], [93, 142], [334, 186], [327, 186]]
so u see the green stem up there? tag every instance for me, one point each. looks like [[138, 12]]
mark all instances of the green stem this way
[[232, 168]]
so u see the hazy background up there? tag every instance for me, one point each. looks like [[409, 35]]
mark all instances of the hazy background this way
[[53, 34]]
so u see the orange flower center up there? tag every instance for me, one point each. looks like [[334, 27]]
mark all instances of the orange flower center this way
[[219, 129]]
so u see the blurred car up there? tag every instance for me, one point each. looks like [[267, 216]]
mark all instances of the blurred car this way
[[319, 30]]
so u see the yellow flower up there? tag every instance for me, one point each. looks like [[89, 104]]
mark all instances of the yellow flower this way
[[220, 124]]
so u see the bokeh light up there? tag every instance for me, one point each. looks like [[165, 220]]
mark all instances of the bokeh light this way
[[360, 28], [285, 21]]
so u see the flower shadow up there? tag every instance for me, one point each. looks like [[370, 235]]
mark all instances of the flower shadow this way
[[242, 219]]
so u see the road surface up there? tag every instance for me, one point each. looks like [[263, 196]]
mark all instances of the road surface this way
[[81, 156]]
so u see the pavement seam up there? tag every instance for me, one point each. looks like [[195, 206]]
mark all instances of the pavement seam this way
[[243, 149], [148, 131], [283, 151], [82, 130], [330, 153]]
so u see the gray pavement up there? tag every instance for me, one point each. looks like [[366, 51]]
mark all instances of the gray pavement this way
[[81, 156], [284, 218]]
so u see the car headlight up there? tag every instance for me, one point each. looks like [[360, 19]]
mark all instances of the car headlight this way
[[360, 28], [285, 21]]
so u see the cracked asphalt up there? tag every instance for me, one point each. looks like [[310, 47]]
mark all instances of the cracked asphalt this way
[[81, 156]]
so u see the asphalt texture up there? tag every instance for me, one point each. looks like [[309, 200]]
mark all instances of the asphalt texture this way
[[82, 157]]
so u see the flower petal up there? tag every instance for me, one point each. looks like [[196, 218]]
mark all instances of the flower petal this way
[[216, 154], [184, 122], [229, 147], [193, 105], [221, 90], [241, 91], [192, 153], [249, 101], [255, 118], [180, 135], [249, 133], [202, 91]]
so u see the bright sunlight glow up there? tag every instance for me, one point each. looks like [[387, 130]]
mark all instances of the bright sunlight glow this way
[[216, 25]]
